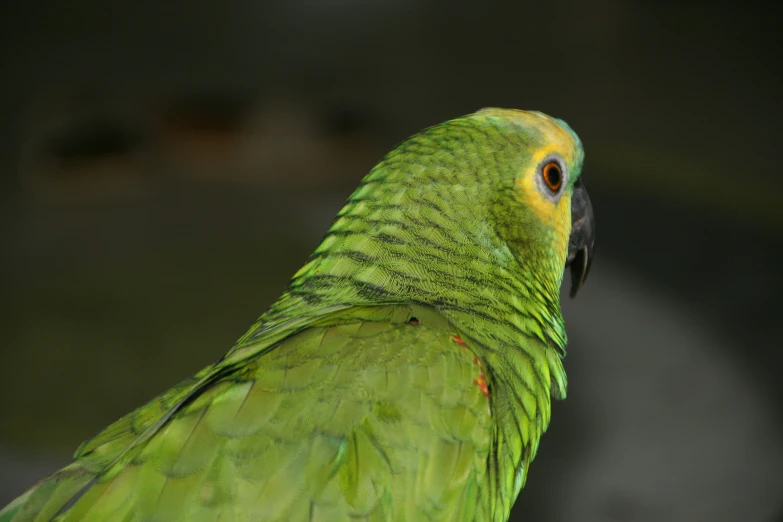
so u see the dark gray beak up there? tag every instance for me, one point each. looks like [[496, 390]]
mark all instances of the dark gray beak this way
[[582, 240]]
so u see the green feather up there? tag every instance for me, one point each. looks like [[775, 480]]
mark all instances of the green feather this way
[[405, 374]]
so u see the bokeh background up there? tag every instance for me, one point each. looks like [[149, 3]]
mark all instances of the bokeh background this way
[[166, 166]]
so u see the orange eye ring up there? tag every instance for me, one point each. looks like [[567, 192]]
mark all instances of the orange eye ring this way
[[552, 175]]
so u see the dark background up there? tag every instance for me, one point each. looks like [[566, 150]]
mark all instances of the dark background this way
[[166, 166]]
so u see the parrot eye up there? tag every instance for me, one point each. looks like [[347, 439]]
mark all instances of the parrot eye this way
[[552, 175]]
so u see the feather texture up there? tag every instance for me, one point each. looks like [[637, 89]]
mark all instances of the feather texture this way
[[405, 374]]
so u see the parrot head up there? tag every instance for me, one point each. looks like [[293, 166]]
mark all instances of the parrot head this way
[[500, 187], [482, 213], [552, 169]]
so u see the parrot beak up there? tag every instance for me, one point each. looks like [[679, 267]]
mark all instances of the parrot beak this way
[[582, 240]]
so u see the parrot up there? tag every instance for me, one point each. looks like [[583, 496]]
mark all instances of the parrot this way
[[406, 372]]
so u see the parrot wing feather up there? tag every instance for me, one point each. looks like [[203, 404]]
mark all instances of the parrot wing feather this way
[[376, 413]]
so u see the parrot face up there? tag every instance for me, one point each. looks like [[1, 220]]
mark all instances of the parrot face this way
[[407, 371], [552, 170]]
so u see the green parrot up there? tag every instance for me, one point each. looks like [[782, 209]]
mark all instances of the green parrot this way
[[405, 374]]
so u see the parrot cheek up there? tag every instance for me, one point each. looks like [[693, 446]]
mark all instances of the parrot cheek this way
[[555, 218]]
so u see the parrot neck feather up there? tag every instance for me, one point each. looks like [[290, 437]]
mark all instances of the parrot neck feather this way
[[431, 225]]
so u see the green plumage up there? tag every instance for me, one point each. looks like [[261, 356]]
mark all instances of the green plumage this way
[[405, 374]]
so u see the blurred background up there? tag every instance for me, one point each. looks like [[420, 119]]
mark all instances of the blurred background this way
[[165, 167]]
